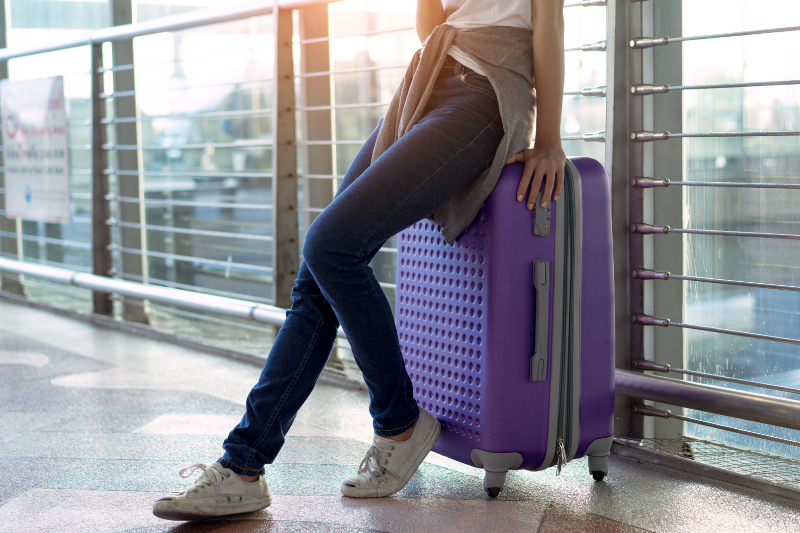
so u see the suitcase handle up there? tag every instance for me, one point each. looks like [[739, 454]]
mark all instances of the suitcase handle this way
[[541, 283]]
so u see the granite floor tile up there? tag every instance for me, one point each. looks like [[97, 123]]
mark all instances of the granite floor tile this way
[[401, 515], [322, 450], [11, 422], [76, 511], [115, 446], [23, 473], [191, 424], [19, 357], [564, 519], [119, 378], [101, 423], [41, 396], [156, 476], [430, 481]]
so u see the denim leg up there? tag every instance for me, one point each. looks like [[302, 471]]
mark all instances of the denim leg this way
[[297, 358], [440, 156]]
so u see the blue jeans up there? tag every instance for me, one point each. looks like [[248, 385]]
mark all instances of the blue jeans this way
[[452, 144]]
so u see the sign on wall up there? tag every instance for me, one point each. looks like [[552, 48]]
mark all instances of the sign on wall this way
[[35, 150]]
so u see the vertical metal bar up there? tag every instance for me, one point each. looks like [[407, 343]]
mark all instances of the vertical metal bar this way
[[667, 206], [8, 282], [316, 125], [624, 200], [128, 185], [101, 231], [285, 257]]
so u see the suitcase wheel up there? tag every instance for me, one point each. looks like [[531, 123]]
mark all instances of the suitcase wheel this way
[[493, 483], [598, 466]]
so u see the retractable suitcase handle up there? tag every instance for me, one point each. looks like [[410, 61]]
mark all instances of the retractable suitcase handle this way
[[541, 282]]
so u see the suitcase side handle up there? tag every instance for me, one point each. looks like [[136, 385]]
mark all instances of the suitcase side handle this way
[[541, 283]]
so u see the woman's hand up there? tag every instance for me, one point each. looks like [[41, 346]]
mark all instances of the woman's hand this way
[[542, 162]]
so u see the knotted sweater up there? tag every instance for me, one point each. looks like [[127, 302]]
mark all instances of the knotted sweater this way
[[505, 54]]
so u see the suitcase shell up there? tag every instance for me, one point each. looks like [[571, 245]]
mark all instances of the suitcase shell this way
[[470, 323]]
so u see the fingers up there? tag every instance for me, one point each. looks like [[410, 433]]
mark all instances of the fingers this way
[[559, 184], [536, 184], [519, 157], [525, 179], [549, 184]]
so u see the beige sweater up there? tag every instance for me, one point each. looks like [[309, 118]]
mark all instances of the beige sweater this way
[[506, 56]]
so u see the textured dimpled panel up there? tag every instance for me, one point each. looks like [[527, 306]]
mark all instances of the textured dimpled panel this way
[[441, 322]]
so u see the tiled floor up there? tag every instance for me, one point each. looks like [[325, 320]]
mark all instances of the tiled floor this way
[[95, 424]]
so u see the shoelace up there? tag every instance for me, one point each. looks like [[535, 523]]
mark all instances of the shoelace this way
[[371, 464], [210, 476]]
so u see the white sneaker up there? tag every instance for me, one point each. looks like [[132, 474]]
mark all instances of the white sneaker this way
[[217, 492], [389, 464]]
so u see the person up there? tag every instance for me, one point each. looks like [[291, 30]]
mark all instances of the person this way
[[465, 108]]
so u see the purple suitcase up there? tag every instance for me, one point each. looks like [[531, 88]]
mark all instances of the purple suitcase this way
[[508, 333]]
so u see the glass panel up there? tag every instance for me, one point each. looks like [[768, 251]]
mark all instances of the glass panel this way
[[584, 114], [750, 160]]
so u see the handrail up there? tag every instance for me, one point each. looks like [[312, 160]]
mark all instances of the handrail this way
[[181, 21], [233, 307], [751, 406]]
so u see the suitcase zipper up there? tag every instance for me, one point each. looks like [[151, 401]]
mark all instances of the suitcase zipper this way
[[564, 427]]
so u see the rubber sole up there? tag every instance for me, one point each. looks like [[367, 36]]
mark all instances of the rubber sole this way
[[173, 514]]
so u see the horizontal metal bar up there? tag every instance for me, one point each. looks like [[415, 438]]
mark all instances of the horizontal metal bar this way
[[74, 245], [183, 116], [599, 46], [192, 231], [598, 136], [643, 90], [642, 364], [643, 273], [649, 229], [647, 42], [328, 143], [165, 295], [193, 288], [222, 205], [586, 3], [647, 320], [365, 34], [181, 21], [192, 259], [311, 209], [588, 91], [347, 71], [192, 173], [648, 410], [321, 176], [647, 136], [645, 183], [751, 406], [250, 82], [194, 146], [341, 106]]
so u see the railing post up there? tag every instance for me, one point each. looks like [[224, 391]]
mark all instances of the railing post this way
[[667, 203], [101, 230], [8, 244], [625, 201], [285, 252], [131, 238]]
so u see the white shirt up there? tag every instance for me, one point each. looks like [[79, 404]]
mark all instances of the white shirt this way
[[466, 14]]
